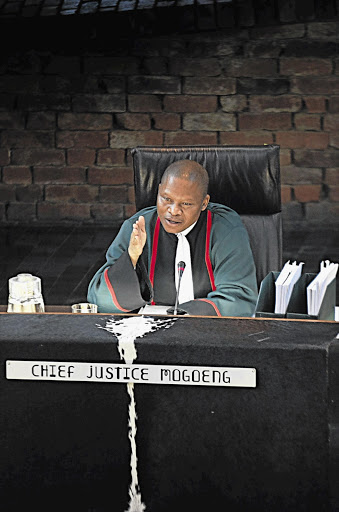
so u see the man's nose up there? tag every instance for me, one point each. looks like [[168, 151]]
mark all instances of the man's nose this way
[[174, 209]]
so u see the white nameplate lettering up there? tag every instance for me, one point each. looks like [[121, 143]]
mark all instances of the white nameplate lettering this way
[[136, 373]]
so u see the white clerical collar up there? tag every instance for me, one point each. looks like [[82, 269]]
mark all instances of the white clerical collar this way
[[187, 230]]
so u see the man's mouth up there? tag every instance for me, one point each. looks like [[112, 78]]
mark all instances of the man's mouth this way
[[172, 222]]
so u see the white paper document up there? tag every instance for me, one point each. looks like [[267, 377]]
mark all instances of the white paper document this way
[[317, 288], [153, 310], [284, 285]]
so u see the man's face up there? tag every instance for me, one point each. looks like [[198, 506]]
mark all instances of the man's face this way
[[179, 203]]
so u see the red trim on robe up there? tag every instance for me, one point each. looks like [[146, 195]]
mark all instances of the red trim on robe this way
[[212, 304], [207, 250], [111, 291], [154, 252]]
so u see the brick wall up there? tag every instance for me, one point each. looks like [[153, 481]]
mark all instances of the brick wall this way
[[69, 116]]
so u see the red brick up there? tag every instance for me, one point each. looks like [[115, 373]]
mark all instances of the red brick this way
[[216, 121], [246, 138], [327, 30], [81, 157], [210, 86], [194, 67], [28, 193], [316, 158], [23, 212], [332, 176], [334, 140], [305, 66], [48, 102], [285, 31], [311, 85], [84, 139], [28, 138], [290, 174], [311, 140], [144, 103], [233, 103], [111, 157], [41, 120], [133, 121], [285, 157], [285, 194], [17, 175], [129, 139], [166, 122], [109, 212], [63, 211], [333, 193], [7, 193], [331, 122], [12, 120], [99, 103], [190, 138], [187, 103], [322, 212], [333, 105], [75, 121], [147, 84], [110, 176], [307, 193], [253, 67], [284, 103], [264, 121], [129, 210], [61, 175], [307, 122], [113, 195], [71, 193], [4, 156], [154, 66], [62, 64], [38, 157], [111, 65], [315, 104], [131, 195]]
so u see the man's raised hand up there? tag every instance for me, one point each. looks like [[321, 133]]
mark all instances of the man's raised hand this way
[[137, 240]]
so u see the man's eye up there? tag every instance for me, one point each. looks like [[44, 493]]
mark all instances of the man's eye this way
[[187, 204]]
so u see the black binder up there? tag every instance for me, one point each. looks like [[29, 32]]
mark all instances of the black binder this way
[[297, 306]]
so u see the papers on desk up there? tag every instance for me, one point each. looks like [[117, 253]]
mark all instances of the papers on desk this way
[[153, 310], [317, 288], [284, 285]]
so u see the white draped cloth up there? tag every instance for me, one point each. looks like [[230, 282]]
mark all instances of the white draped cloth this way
[[183, 253]]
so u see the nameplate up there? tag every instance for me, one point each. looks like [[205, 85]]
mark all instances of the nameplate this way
[[136, 373]]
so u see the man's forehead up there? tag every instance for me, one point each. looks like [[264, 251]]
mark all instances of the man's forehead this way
[[181, 185]]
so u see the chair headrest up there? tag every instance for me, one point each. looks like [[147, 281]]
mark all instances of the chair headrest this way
[[245, 178]]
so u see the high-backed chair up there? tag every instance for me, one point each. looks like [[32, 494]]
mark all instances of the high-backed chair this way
[[245, 178]]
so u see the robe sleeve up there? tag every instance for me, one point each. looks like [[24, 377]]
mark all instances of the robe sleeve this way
[[117, 287], [235, 279]]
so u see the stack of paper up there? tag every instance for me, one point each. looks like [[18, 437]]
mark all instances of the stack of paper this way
[[284, 285], [317, 288]]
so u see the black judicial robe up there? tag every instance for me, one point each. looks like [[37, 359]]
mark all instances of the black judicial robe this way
[[223, 269]]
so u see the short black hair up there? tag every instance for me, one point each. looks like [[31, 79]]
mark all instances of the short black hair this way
[[188, 170]]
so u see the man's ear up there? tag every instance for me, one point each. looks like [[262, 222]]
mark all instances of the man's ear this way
[[205, 203]]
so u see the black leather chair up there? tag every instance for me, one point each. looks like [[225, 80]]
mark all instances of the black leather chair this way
[[245, 178]]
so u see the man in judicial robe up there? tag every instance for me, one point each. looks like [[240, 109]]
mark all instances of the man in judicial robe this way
[[142, 261]]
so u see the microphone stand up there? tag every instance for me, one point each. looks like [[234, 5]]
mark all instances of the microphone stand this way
[[175, 310]]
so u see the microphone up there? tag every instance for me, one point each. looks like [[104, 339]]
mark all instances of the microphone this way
[[175, 310]]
